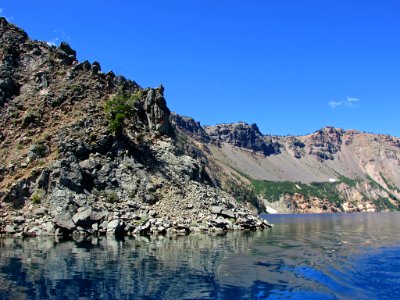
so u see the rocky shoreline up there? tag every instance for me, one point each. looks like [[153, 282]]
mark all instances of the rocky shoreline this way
[[126, 221]]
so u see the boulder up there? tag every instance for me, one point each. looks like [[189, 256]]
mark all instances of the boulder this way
[[87, 216], [64, 221], [43, 180], [227, 213], [71, 177], [10, 229], [19, 220], [48, 227], [82, 217], [216, 209], [116, 227]]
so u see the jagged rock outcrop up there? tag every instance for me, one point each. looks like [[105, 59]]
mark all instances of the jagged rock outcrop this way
[[325, 143], [190, 127], [244, 136], [157, 112]]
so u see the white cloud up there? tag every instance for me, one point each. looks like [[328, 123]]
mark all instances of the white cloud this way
[[60, 36], [335, 104], [53, 42], [352, 99], [350, 102]]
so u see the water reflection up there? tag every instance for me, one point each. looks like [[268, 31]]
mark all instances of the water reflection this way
[[303, 256]]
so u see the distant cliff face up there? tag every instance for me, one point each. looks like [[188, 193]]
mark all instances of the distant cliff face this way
[[244, 136], [348, 170], [324, 143]]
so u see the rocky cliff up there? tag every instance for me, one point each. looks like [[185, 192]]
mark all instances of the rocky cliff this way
[[88, 152], [330, 170]]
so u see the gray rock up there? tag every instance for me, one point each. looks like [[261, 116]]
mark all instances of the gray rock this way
[[82, 217], [65, 47], [10, 229], [216, 209], [48, 227], [95, 227], [95, 68], [150, 199], [97, 215], [157, 112], [245, 136], [43, 180], [88, 164], [227, 214], [40, 212], [19, 220], [71, 177], [64, 221], [115, 227], [103, 225]]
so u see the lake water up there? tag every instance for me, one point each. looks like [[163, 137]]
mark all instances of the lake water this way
[[336, 256]]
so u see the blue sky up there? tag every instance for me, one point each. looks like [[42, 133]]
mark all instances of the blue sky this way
[[292, 67]]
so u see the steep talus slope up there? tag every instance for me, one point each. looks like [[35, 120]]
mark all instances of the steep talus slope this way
[[87, 152], [330, 170]]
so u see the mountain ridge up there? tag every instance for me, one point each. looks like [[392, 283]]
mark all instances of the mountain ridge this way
[[363, 166], [86, 152]]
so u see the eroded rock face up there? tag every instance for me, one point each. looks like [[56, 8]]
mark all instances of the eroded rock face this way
[[325, 143], [190, 127], [157, 112], [243, 135], [72, 174]]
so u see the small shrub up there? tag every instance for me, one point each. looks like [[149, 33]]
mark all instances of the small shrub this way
[[40, 149], [144, 219], [92, 136], [31, 117], [119, 108], [112, 198], [36, 197]]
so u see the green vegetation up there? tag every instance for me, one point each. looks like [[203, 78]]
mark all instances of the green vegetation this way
[[373, 183], [112, 197], [243, 193], [384, 203], [390, 184], [376, 185], [40, 149], [121, 107], [349, 181], [36, 197], [274, 190], [31, 117]]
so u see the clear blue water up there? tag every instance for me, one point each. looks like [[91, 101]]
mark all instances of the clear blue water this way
[[337, 256]]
